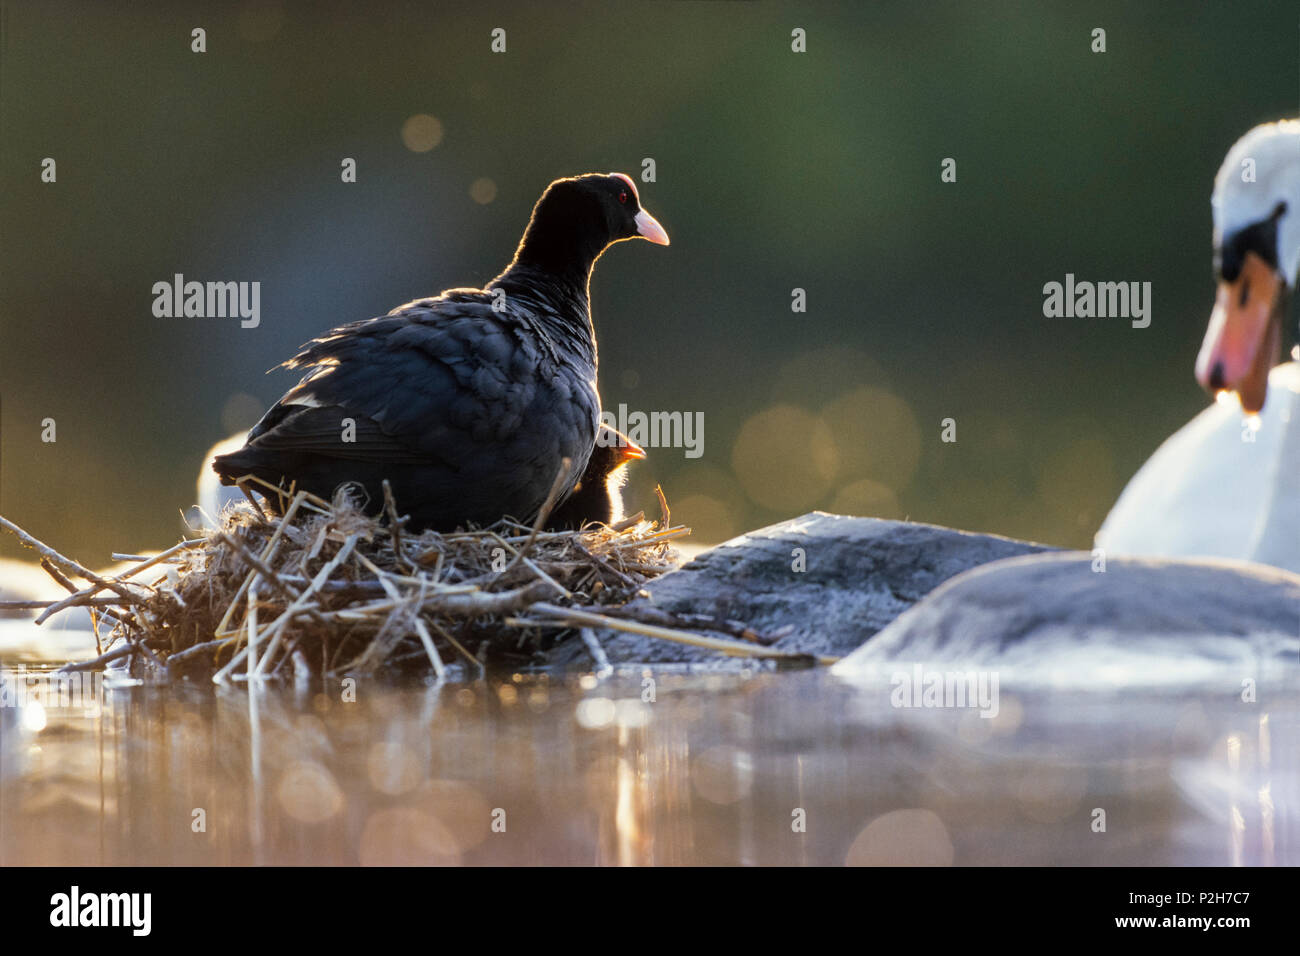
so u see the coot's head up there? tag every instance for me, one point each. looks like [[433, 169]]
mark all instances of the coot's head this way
[[578, 218]]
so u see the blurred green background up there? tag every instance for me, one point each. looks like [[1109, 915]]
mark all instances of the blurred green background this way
[[775, 170]]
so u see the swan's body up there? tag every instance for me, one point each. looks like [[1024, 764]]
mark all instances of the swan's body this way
[[1219, 487], [1256, 207]]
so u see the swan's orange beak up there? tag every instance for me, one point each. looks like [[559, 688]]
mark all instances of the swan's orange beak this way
[[1244, 339]]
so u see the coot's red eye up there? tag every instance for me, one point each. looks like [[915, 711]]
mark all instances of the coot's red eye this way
[[622, 197]]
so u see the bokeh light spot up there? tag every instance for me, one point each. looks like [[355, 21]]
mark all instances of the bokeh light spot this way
[[817, 376], [723, 774], [308, 792], [876, 435], [785, 458], [421, 133], [392, 767], [709, 518], [483, 191], [913, 837], [594, 713], [403, 836]]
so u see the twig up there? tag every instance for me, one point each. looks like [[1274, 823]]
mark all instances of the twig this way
[[439, 667], [734, 648], [58, 576], [194, 651], [59, 560], [160, 557], [655, 616], [563, 591], [603, 668], [460, 647], [631, 521], [395, 524], [100, 661], [267, 575], [254, 666], [85, 602], [257, 507]]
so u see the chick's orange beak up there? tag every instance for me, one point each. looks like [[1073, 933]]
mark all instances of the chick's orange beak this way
[[630, 451], [1244, 339]]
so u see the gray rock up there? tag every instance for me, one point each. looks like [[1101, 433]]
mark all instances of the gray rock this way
[[1144, 620], [861, 574]]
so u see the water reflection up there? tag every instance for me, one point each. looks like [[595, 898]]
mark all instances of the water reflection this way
[[659, 767]]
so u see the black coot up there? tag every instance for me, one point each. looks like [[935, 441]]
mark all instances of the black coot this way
[[467, 402]]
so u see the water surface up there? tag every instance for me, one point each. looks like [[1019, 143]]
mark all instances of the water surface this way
[[793, 767]]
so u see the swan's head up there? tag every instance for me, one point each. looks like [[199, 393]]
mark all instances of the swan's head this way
[[1256, 207]]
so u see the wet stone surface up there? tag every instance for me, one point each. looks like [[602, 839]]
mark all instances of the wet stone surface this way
[[825, 582]]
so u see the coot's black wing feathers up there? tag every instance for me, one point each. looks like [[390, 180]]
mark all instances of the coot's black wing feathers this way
[[464, 379], [448, 387], [318, 430]]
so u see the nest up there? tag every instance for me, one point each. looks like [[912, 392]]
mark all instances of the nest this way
[[327, 590]]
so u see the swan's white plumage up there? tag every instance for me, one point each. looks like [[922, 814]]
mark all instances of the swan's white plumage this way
[[213, 496], [1207, 493]]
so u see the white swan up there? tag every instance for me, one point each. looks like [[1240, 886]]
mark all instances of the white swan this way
[[1256, 206], [213, 496], [1224, 486]]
